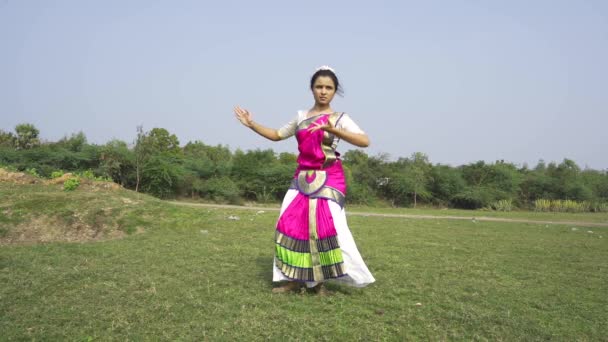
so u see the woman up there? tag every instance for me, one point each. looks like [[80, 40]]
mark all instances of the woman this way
[[312, 241]]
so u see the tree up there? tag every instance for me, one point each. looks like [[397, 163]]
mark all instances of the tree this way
[[259, 174], [418, 172], [597, 181], [214, 159], [27, 136], [142, 154], [364, 172], [159, 140], [161, 175], [287, 158], [445, 182], [75, 143], [567, 181], [7, 139], [117, 161]]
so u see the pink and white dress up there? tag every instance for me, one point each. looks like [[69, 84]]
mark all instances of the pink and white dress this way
[[312, 241]]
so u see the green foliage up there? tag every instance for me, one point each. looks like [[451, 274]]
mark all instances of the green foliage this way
[[502, 205], [408, 180], [201, 167], [9, 168], [260, 176], [51, 157], [27, 136], [161, 175], [117, 162], [89, 174], [221, 189], [75, 143], [542, 205], [157, 165], [56, 174], [7, 139], [568, 206], [445, 183], [32, 172], [474, 198], [357, 192], [598, 207], [159, 140], [362, 176], [288, 159], [71, 184]]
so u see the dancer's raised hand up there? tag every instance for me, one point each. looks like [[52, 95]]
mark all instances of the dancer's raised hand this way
[[243, 116]]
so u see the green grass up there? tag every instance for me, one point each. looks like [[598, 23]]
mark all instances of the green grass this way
[[601, 218], [193, 274], [518, 214]]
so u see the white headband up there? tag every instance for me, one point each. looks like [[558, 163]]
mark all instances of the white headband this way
[[325, 67]]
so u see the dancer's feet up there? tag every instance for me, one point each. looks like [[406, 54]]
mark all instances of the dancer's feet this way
[[290, 286]]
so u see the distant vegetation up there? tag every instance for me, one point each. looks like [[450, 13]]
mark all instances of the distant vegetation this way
[[157, 164]]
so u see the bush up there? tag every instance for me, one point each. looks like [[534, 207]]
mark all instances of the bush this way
[[32, 172], [474, 198], [502, 205], [56, 174], [598, 207], [568, 206], [161, 175], [219, 189], [71, 184], [88, 174], [9, 168], [360, 194], [542, 205]]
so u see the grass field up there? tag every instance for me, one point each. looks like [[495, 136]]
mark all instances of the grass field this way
[[187, 273]]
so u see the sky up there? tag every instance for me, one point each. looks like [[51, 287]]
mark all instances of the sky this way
[[460, 81]]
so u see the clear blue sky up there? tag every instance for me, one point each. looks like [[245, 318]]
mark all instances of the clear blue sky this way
[[458, 80]]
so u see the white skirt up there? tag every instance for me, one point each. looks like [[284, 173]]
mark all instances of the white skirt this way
[[357, 273]]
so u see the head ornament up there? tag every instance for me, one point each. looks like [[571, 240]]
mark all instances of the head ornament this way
[[325, 67]]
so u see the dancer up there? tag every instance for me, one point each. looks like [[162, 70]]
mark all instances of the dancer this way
[[313, 243]]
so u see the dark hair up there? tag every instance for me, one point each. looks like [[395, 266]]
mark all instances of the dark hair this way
[[330, 74]]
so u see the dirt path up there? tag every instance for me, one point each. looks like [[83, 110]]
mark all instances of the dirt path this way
[[477, 218]]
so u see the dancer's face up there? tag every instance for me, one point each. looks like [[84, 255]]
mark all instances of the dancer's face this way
[[323, 90]]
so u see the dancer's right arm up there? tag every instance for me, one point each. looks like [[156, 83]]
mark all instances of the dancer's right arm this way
[[244, 117]]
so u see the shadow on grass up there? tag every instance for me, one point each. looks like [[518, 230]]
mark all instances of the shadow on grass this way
[[264, 270]]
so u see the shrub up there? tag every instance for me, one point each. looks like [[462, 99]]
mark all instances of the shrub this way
[[219, 189], [503, 205], [89, 174], [161, 175], [474, 198], [568, 206], [32, 171], [71, 184], [598, 207], [542, 205], [9, 168], [56, 174]]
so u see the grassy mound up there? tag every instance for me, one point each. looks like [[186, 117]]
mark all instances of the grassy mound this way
[[35, 210]]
